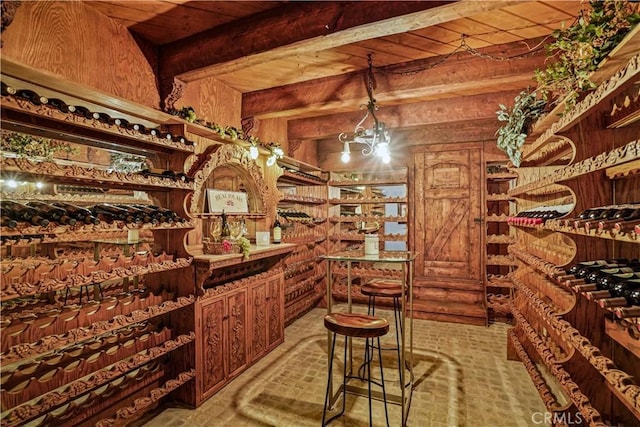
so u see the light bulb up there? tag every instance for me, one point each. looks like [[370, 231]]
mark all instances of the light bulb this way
[[253, 152], [12, 183], [386, 159], [271, 160], [39, 185], [345, 157], [382, 150]]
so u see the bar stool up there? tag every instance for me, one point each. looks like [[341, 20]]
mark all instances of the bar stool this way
[[355, 325], [386, 288]]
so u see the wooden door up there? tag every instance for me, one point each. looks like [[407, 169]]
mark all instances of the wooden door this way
[[446, 199]]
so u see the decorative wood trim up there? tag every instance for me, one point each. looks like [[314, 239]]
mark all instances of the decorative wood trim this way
[[363, 218], [72, 337], [623, 171], [618, 156], [609, 234], [77, 198], [362, 201], [500, 239], [590, 414], [73, 274], [131, 137], [55, 233], [126, 415], [171, 91], [76, 389], [230, 154], [622, 384], [373, 273], [74, 173], [238, 284], [592, 100], [539, 382], [497, 218]]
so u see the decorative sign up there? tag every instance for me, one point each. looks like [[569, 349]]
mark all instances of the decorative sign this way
[[229, 201]]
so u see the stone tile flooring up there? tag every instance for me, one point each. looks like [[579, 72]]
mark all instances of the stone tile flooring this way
[[461, 373]]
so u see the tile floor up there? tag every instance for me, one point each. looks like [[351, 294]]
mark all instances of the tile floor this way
[[461, 373]]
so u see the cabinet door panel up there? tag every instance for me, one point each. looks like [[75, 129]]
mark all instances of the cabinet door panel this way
[[237, 334], [259, 313], [276, 311], [447, 232], [212, 372]]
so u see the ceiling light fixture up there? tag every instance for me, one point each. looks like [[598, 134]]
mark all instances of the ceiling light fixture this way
[[376, 139]]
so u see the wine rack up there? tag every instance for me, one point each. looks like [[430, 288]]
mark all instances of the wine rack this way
[[302, 211], [589, 351], [361, 203], [93, 317]]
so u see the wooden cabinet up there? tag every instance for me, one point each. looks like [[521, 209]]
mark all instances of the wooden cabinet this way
[[237, 323], [223, 322], [95, 329], [583, 358], [366, 202], [266, 307], [303, 214], [499, 264]]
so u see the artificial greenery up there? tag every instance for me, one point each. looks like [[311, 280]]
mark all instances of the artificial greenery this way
[[511, 136], [577, 50], [31, 146], [581, 47]]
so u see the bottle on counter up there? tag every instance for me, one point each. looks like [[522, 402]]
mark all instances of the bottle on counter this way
[[277, 230], [226, 230]]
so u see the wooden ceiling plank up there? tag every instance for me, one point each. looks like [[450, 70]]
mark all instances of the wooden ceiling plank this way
[[458, 71], [404, 116], [209, 54]]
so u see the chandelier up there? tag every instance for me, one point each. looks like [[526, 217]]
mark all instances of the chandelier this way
[[376, 139]]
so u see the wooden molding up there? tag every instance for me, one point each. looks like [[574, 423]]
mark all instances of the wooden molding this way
[[318, 26]]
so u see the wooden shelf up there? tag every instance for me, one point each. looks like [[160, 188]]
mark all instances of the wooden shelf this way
[[612, 69], [609, 234], [618, 156], [294, 178], [56, 233], [365, 201]]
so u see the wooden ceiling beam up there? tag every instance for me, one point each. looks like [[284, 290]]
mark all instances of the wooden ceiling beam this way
[[301, 27], [395, 84], [404, 116]]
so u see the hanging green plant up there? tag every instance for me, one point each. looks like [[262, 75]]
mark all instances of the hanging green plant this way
[[581, 47], [526, 110], [31, 146]]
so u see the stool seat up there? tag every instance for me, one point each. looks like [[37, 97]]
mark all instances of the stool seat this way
[[356, 325], [383, 288]]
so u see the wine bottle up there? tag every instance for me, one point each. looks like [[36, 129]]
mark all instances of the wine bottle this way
[[33, 97], [85, 112], [626, 226], [277, 230], [623, 294], [226, 231], [167, 213], [606, 282], [79, 213], [595, 215], [21, 212], [577, 273], [61, 105], [109, 213], [139, 214], [624, 214], [52, 213], [8, 222], [627, 312], [568, 222]]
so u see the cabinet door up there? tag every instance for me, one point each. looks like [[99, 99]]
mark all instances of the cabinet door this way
[[212, 372], [447, 200], [236, 332], [259, 319], [276, 311]]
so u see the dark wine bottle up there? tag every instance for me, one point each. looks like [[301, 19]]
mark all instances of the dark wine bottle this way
[[52, 213], [33, 97], [623, 294], [109, 213], [226, 231], [79, 213], [627, 226], [8, 222], [61, 105], [607, 283], [277, 230], [21, 212], [624, 214], [139, 214]]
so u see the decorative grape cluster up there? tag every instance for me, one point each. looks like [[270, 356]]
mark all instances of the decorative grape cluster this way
[[245, 245]]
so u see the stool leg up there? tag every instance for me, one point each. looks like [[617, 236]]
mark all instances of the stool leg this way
[[326, 397], [384, 393], [369, 383], [398, 322]]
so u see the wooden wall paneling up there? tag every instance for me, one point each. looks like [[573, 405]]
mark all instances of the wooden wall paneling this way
[[63, 37], [213, 101]]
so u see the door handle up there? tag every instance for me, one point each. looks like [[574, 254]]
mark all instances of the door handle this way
[[478, 220]]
